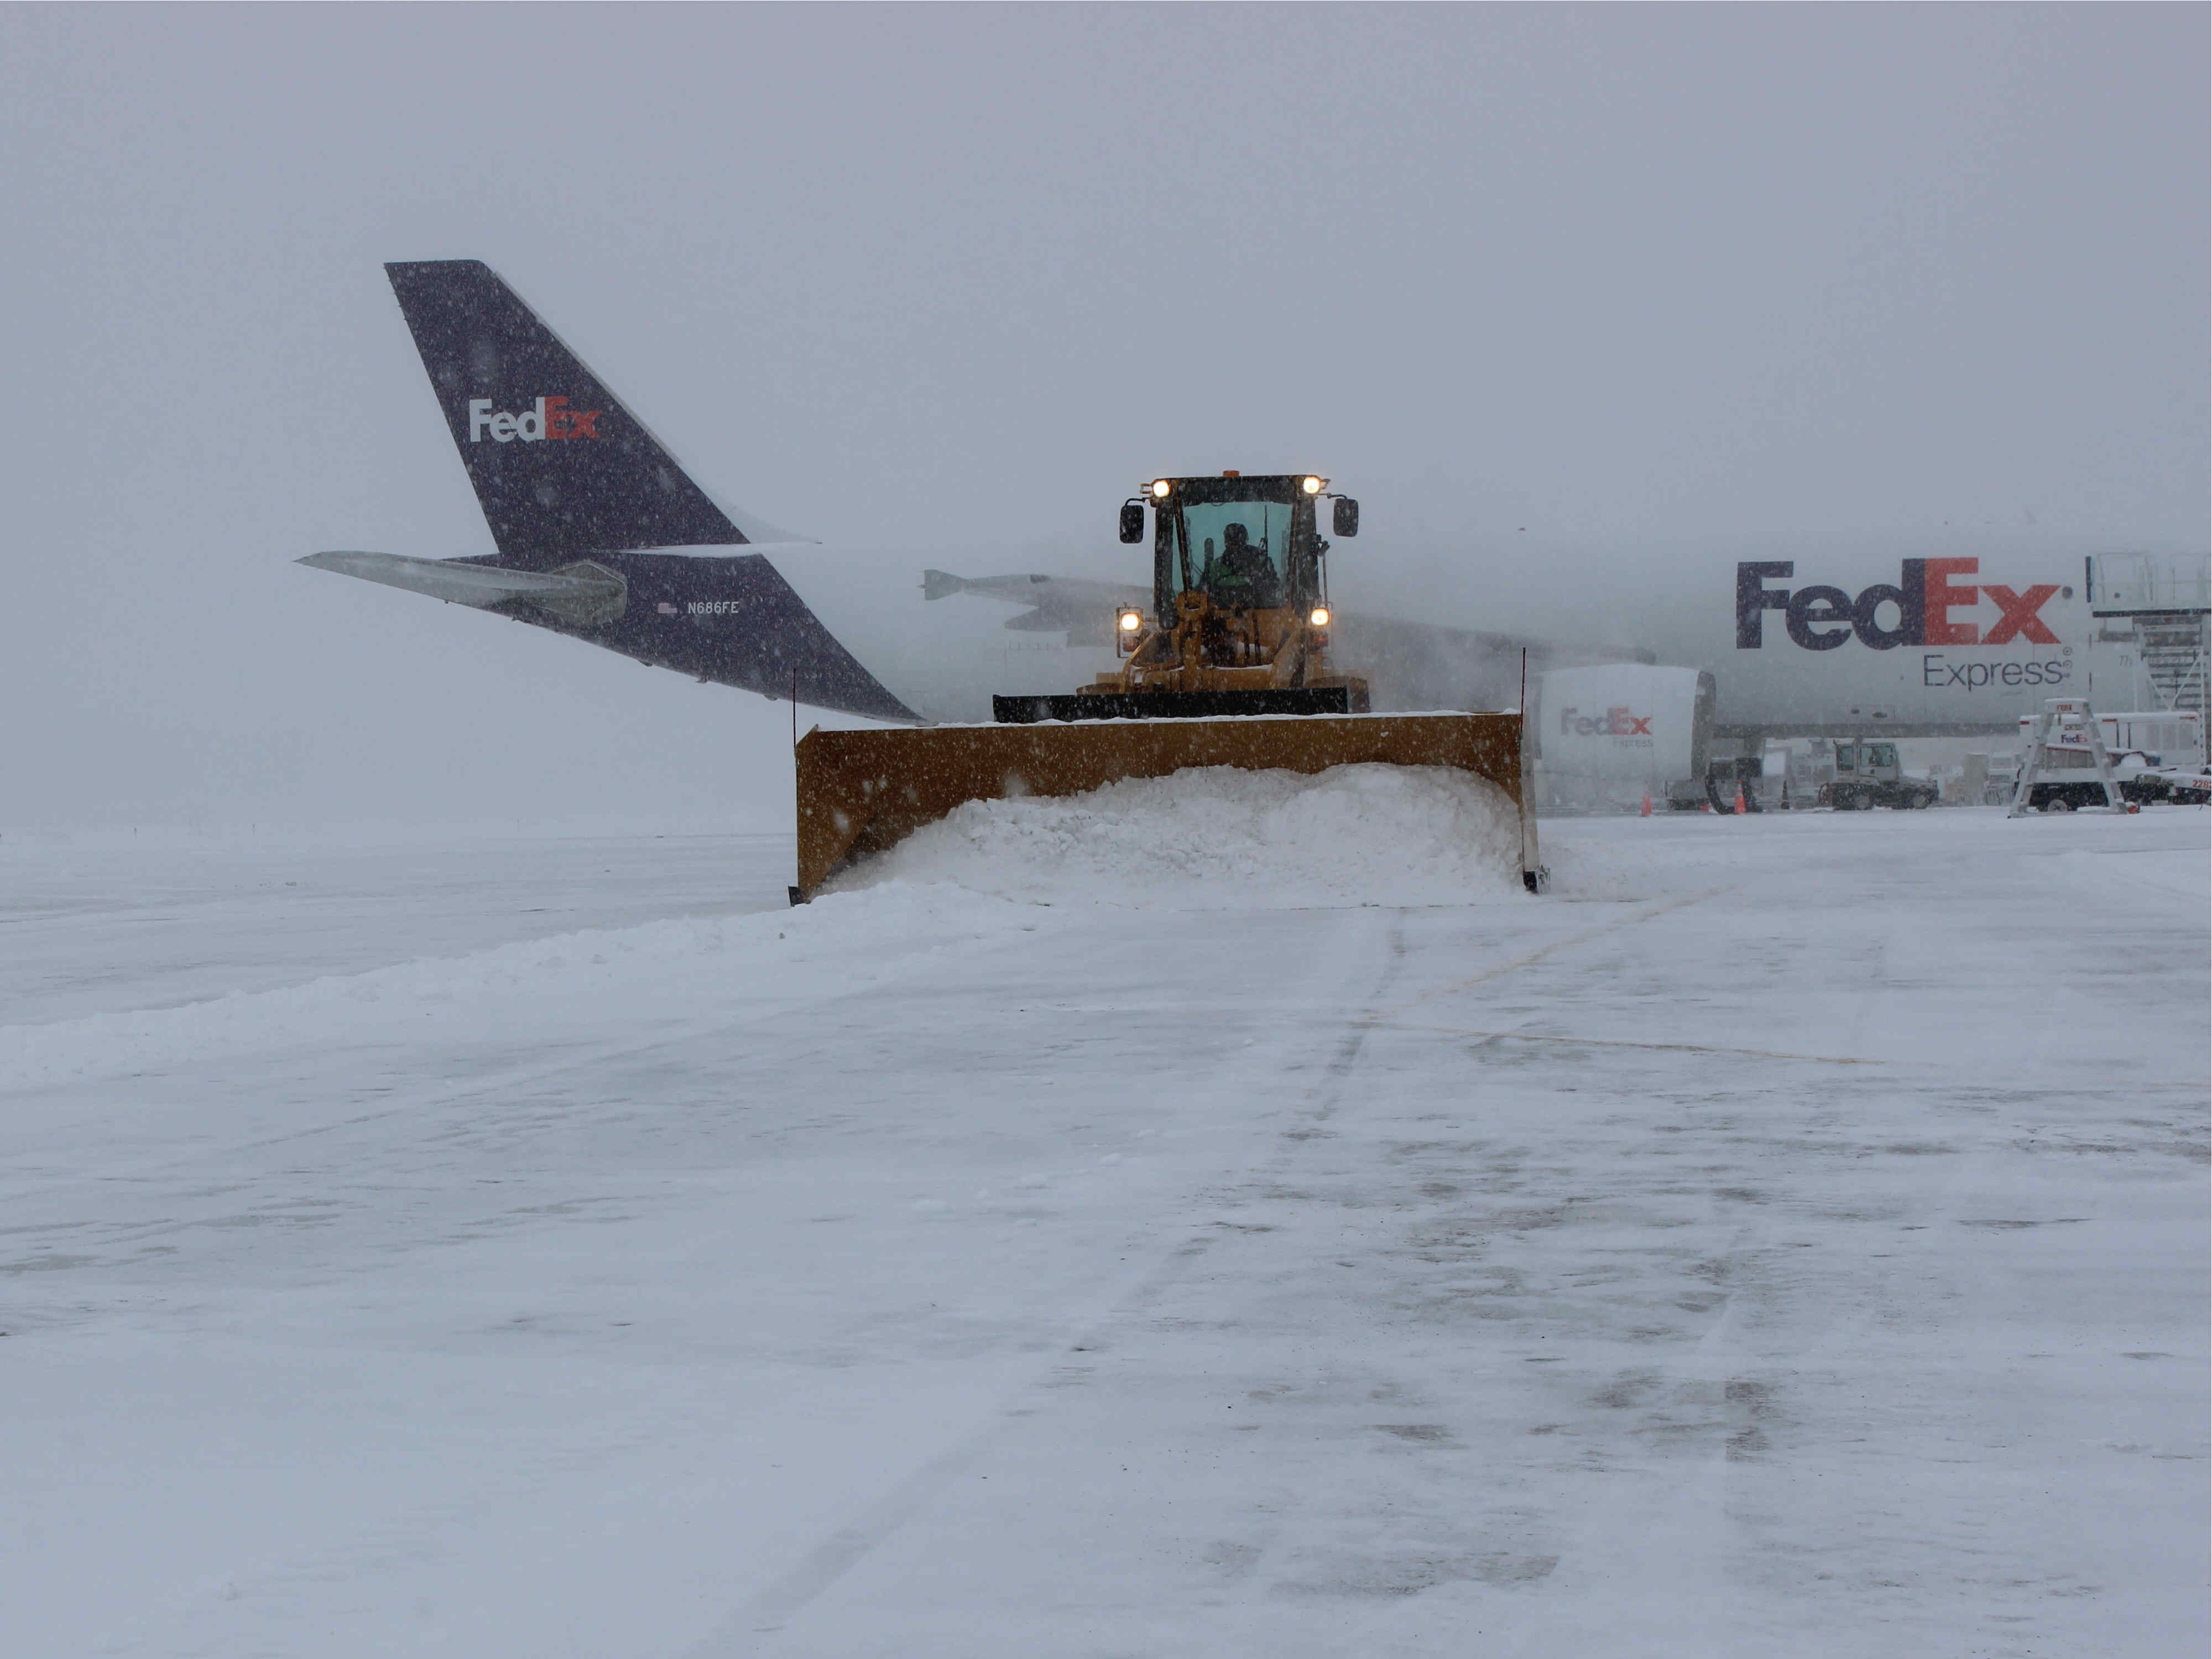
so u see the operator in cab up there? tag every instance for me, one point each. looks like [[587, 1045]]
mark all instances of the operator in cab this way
[[1243, 576]]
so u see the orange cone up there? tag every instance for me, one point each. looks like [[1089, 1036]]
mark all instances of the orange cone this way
[[1740, 806], [1647, 805]]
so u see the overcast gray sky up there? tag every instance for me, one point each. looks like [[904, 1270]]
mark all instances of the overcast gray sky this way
[[1634, 276]]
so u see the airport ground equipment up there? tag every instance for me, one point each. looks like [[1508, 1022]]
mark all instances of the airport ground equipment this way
[[1868, 776], [2162, 608], [2145, 782], [1230, 666], [2067, 741], [2169, 786], [2155, 755]]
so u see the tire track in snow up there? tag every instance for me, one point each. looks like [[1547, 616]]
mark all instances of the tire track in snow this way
[[770, 1610]]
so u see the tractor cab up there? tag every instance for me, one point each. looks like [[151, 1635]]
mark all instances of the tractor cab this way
[[1239, 623], [1246, 543], [1867, 762]]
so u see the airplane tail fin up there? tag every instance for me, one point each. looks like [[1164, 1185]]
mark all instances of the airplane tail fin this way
[[561, 469]]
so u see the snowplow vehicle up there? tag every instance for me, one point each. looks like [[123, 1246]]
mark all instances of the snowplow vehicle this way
[[1231, 667]]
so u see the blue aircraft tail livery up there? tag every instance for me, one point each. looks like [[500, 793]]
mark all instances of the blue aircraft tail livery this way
[[601, 535], [561, 469]]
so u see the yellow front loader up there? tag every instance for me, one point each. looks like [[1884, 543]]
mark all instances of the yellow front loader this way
[[1230, 668]]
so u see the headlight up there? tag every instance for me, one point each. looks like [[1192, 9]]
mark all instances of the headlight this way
[[1320, 617], [1131, 621], [1159, 489], [1313, 486]]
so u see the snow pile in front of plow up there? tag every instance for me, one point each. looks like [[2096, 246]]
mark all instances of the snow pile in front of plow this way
[[1222, 837]]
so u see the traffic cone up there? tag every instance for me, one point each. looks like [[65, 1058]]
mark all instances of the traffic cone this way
[[1740, 806], [1647, 805]]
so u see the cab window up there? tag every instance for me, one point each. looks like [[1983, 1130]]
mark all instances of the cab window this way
[[1233, 550]]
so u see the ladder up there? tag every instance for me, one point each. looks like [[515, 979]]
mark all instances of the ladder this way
[[2054, 729], [2166, 603], [2172, 645]]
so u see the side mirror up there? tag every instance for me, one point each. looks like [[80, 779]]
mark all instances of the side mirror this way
[[1346, 520], [1133, 521]]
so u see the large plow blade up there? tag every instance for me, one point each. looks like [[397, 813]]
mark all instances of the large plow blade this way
[[861, 792]]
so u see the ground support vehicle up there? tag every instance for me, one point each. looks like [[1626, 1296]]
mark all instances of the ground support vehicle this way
[[2178, 785], [2067, 765], [2168, 786], [1868, 776], [1230, 668], [2138, 744], [2143, 779]]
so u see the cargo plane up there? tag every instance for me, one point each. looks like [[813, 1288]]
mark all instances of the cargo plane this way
[[601, 535]]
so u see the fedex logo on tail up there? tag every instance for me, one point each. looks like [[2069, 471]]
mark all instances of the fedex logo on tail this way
[[548, 417], [1923, 597]]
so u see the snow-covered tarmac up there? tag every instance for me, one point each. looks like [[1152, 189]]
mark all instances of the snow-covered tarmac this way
[[1787, 1237]]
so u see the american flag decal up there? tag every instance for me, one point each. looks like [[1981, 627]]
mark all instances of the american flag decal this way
[[666, 609]]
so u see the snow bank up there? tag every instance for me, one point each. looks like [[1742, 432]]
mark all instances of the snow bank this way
[[1219, 836], [596, 986]]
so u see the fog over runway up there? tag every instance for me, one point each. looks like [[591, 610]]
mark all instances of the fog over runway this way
[[1786, 1237]]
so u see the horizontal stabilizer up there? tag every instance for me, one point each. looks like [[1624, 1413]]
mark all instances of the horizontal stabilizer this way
[[583, 593], [941, 583]]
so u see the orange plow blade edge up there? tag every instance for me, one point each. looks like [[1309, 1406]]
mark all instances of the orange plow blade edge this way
[[861, 792]]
